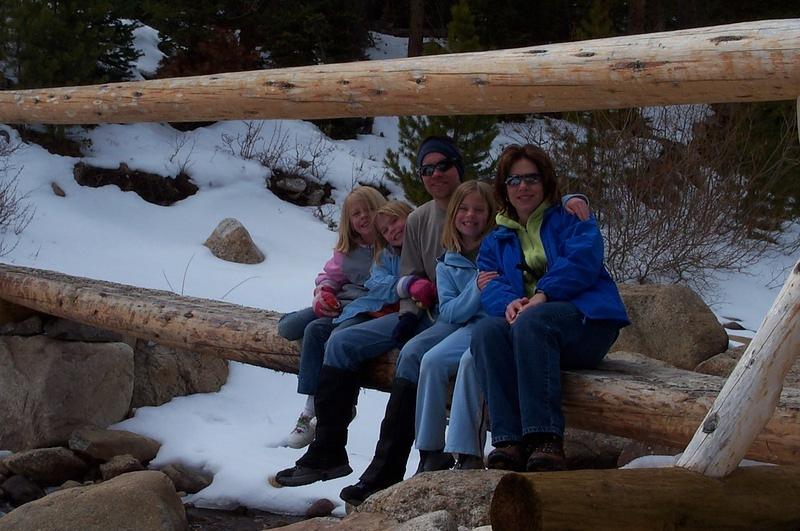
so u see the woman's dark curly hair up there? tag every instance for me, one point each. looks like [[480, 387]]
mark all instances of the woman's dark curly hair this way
[[538, 156]]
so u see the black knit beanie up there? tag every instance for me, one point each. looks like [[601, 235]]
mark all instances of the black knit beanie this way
[[444, 145]]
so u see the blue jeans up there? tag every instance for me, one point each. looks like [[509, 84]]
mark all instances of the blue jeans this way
[[467, 431], [439, 364], [349, 349], [314, 332], [521, 365]]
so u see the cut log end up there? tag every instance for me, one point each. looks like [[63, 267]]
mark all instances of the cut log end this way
[[515, 504]]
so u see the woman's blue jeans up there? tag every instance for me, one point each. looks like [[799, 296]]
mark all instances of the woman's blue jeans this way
[[521, 365], [314, 331]]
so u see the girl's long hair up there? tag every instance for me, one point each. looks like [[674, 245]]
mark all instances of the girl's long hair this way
[[348, 238], [393, 210], [451, 239]]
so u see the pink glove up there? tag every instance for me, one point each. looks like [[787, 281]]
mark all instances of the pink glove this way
[[423, 292], [326, 304]]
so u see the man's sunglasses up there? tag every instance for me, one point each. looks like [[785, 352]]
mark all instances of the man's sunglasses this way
[[426, 170], [531, 179]]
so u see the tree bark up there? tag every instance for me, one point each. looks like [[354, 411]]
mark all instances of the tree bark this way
[[755, 61], [761, 497], [416, 20], [645, 399], [751, 392]]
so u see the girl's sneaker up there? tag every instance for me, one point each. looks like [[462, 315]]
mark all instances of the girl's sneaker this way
[[303, 432]]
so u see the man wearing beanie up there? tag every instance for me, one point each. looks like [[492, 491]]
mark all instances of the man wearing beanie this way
[[441, 168]]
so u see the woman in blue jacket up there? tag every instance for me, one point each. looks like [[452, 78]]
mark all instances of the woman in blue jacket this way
[[552, 306]]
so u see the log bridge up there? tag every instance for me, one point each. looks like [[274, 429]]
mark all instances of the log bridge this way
[[722, 421]]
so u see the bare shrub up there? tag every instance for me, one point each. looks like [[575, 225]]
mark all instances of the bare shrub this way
[[15, 211], [670, 197]]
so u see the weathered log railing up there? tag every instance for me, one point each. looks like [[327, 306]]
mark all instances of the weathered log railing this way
[[642, 400], [755, 61]]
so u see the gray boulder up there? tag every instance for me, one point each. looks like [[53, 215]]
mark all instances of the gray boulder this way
[[232, 242], [50, 388], [670, 323], [188, 480], [118, 465], [435, 521], [162, 373], [139, 501], [47, 466], [104, 444], [20, 490], [465, 494]]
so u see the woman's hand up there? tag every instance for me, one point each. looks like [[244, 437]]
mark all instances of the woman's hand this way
[[536, 300], [514, 307], [484, 277], [579, 208]]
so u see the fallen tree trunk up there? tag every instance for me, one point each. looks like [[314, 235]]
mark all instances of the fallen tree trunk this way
[[642, 399], [753, 61], [763, 497]]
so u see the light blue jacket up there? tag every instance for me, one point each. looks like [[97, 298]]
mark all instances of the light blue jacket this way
[[380, 285], [459, 296]]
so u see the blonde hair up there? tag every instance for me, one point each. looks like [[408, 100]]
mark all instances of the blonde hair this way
[[451, 239], [348, 238], [394, 210]]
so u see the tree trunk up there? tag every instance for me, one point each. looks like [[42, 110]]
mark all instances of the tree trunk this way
[[642, 399], [416, 20], [751, 392], [763, 497], [756, 61]]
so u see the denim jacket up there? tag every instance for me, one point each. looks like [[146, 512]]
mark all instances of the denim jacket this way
[[380, 285]]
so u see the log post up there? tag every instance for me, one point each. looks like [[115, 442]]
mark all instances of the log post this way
[[752, 61], [762, 497], [748, 398]]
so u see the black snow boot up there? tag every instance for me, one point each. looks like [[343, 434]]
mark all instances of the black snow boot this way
[[326, 457], [388, 466]]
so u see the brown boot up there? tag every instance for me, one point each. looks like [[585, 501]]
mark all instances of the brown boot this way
[[547, 453], [512, 456]]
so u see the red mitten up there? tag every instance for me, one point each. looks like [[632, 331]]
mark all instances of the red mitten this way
[[326, 304], [423, 292]]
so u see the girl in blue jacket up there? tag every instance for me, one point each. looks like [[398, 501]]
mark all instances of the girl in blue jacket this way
[[469, 217], [552, 306], [378, 297]]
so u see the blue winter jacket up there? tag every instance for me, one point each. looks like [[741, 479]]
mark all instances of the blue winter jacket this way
[[575, 271], [459, 296], [380, 285]]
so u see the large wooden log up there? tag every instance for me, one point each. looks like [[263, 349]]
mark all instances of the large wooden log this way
[[755, 61], [751, 392], [644, 399], [761, 497]]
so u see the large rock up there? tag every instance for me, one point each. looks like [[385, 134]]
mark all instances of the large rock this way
[[50, 388], [354, 522], [104, 444], [230, 241], [118, 465], [723, 364], [465, 494], [586, 449], [139, 501], [47, 466], [31, 326], [188, 480], [20, 490], [670, 323], [163, 373]]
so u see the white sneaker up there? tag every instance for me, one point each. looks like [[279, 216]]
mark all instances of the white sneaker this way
[[303, 433]]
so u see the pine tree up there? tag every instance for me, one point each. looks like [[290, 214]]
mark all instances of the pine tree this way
[[473, 134], [65, 42]]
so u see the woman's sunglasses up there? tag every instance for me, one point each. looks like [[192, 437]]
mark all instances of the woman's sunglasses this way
[[426, 170], [531, 179]]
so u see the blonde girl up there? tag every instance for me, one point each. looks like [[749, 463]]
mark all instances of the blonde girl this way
[[340, 283], [470, 216]]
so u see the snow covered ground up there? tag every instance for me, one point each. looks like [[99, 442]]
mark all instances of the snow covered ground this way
[[107, 234]]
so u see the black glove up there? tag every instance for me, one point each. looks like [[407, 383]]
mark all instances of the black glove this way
[[405, 328]]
